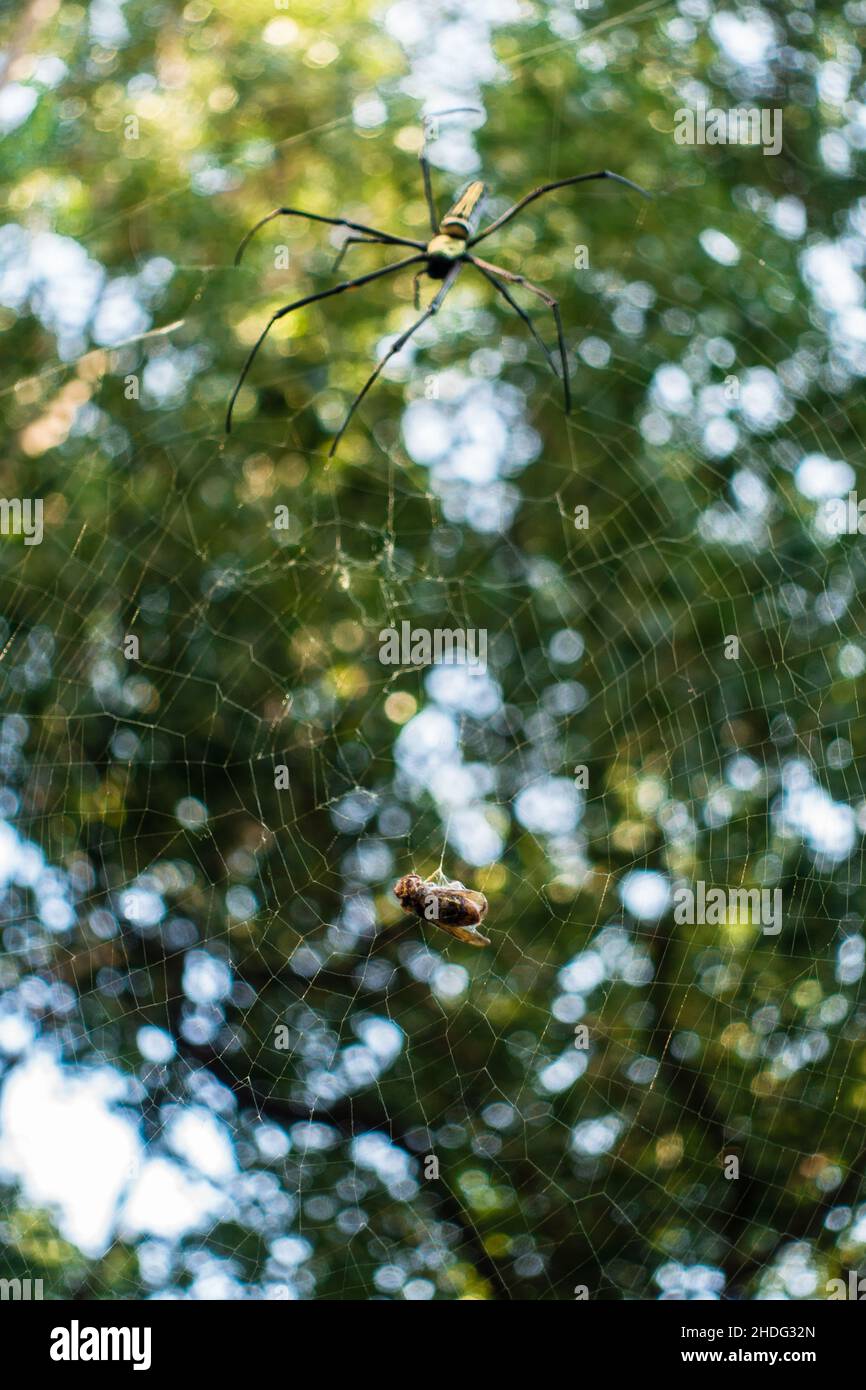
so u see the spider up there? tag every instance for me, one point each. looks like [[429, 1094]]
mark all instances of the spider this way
[[442, 258]]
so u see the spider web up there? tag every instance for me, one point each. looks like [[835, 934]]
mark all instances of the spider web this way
[[329, 1100]]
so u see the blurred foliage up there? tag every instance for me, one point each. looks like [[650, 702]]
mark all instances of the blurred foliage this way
[[154, 152]]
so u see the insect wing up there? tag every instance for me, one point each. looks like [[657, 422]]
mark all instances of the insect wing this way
[[468, 935], [479, 900]]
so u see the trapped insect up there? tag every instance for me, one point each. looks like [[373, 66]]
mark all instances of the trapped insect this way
[[442, 258], [452, 907]]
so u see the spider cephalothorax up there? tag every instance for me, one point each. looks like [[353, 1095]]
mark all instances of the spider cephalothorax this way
[[441, 258]]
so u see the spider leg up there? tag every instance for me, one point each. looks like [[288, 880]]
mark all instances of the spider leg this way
[[428, 185], [416, 295], [425, 163], [549, 188], [432, 308], [551, 303], [497, 285], [299, 304], [351, 240], [333, 221]]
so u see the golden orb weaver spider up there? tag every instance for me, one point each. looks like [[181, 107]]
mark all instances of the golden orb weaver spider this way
[[443, 257]]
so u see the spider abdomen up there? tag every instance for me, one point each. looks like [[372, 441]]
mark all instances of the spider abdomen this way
[[462, 217]]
